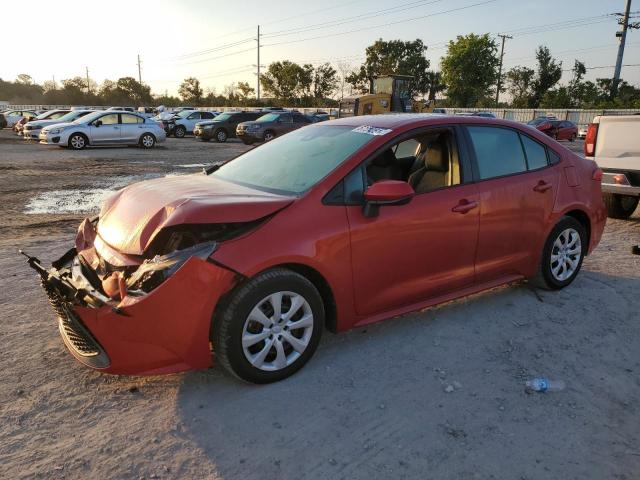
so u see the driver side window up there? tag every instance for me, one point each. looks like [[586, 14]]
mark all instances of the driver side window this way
[[427, 161]]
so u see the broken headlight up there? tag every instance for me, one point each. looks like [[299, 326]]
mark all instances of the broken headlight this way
[[152, 272]]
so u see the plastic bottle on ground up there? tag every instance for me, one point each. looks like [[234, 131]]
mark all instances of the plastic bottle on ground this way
[[544, 385]]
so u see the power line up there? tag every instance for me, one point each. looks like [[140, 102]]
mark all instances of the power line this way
[[217, 57], [382, 25], [211, 50], [355, 18]]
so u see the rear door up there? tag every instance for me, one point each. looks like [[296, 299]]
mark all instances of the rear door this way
[[284, 124], [517, 187], [107, 132], [132, 127]]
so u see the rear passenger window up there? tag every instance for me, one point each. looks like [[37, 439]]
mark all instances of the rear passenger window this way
[[126, 118], [536, 153], [498, 151]]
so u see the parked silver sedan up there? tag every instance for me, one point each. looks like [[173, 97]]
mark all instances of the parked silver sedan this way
[[104, 128]]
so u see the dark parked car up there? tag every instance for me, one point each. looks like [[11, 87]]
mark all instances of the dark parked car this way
[[3, 121], [319, 116], [270, 126], [558, 129], [223, 126]]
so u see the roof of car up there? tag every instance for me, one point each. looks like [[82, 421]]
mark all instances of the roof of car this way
[[397, 120]]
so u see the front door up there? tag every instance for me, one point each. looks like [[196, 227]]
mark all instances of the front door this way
[[107, 132], [426, 248]]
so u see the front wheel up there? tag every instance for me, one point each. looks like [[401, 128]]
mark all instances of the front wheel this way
[[179, 131], [221, 136], [619, 206], [77, 141], [268, 136], [269, 327], [562, 255]]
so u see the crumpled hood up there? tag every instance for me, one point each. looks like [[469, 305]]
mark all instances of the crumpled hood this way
[[133, 216]]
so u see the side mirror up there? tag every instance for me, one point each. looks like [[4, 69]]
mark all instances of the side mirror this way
[[98, 123], [386, 192]]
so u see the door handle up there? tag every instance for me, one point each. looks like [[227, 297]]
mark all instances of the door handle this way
[[465, 206], [542, 186]]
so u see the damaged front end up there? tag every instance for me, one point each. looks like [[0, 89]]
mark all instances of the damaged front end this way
[[137, 315]]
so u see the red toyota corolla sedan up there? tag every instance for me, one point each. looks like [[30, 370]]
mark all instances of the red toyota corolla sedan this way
[[336, 225]]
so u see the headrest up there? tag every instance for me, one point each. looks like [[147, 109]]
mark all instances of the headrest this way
[[385, 159], [437, 158]]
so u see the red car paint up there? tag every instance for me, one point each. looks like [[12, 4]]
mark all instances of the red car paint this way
[[559, 129], [439, 246]]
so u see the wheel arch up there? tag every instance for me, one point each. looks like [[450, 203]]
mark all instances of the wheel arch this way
[[582, 217], [86, 137], [147, 133]]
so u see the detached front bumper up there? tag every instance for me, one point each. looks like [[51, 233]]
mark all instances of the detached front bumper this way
[[164, 331]]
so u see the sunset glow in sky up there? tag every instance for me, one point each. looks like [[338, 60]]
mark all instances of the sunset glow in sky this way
[[215, 41]]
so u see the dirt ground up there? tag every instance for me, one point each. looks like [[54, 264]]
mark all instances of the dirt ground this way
[[373, 403]]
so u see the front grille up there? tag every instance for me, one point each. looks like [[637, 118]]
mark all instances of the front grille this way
[[74, 333]]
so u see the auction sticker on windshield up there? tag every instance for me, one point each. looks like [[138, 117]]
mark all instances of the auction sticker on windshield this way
[[372, 130]]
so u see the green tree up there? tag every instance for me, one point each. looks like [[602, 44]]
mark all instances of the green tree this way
[[549, 74], [520, 86], [190, 91], [436, 85], [470, 70], [325, 81], [134, 91], [245, 91], [24, 79], [286, 80], [394, 57]]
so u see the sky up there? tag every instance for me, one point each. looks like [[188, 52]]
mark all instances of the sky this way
[[214, 41]]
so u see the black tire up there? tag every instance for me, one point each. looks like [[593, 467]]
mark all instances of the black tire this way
[[269, 135], [620, 206], [572, 138], [147, 140], [229, 323], [221, 135], [545, 277], [179, 131], [77, 141]]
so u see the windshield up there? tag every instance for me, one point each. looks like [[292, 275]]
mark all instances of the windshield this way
[[296, 161], [89, 118], [269, 117], [223, 116]]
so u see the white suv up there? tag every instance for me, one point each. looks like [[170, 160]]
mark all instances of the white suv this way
[[104, 128]]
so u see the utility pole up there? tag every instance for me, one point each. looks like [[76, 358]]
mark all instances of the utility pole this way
[[624, 21], [88, 86], [258, 66], [139, 71], [504, 37]]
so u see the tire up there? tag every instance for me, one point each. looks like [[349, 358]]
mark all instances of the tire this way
[[147, 141], [569, 252], [572, 138], [619, 206], [179, 131], [269, 135], [221, 135], [254, 299], [77, 141]]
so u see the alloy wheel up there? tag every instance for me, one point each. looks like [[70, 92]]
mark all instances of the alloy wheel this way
[[277, 331], [268, 136], [221, 136], [147, 141], [566, 254]]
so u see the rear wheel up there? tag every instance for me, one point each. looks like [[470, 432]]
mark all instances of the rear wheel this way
[[221, 136], [78, 141], [147, 141], [572, 138], [562, 255], [179, 131], [269, 135], [620, 206], [269, 327]]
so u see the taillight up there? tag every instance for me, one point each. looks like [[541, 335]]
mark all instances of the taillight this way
[[597, 175], [590, 140]]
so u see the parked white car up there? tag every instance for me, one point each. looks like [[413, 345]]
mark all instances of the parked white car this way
[[613, 143], [14, 116], [582, 131], [31, 130], [104, 128], [185, 122]]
